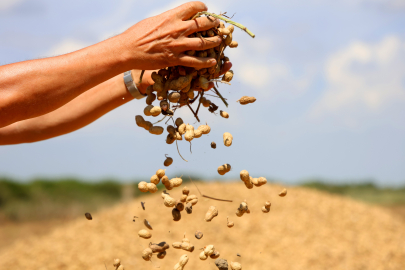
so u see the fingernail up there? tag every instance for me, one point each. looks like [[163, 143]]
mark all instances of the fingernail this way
[[213, 61]]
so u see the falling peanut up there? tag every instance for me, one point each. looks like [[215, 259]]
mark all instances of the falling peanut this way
[[243, 208], [246, 100], [229, 223], [224, 114], [212, 212], [223, 169], [227, 139], [266, 207], [182, 262], [283, 193], [168, 161], [144, 234]]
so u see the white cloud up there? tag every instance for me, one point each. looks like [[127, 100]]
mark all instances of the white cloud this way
[[363, 80], [7, 4], [66, 46]]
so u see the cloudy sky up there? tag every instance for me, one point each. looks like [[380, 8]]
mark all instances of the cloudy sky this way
[[329, 78]]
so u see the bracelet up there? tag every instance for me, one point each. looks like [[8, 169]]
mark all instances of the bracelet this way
[[131, 86]]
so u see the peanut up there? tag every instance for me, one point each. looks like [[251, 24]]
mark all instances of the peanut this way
[[182, 129], [183, 261], [178, 121], [222, 264], [156, 130], [167, 200], [228, 76], [144, 234], [212, 212], [229, 223], [161, 255], [266, 207], [208, 250], [176, 181], [203, 256], [160, 173], [197, 133], [142, 186], [224, 114], [117, 262], [215, 255], [205, 129], [183, 198], [147, 109], [223, 169], [166, 182], [193, 199], [151, 187], [147, 254], [168, 161], [235, 266], [176, 214], [246, 100], [189, 208], [283, 193], [174, 97], [244, 176], [170, 139], [155, 179], [233, 44], [157, 248], [189, 136], [179, 206], [227, 139], [243, 208]]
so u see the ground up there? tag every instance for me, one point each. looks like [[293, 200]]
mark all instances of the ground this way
[[307, 229]]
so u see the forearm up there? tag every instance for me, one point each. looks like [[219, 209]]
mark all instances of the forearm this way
[[32, 88], [74, 115]]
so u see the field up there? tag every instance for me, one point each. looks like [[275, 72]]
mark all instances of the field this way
[[307, 229]]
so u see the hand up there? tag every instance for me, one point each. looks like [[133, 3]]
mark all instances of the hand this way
[[161, 41]]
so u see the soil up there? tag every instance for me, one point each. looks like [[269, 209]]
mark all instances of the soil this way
[[307, 229]]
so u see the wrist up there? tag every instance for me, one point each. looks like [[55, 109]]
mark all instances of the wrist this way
[[146, 80]]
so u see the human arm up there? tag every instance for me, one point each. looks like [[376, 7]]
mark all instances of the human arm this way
[[79, 112], [36, 87]]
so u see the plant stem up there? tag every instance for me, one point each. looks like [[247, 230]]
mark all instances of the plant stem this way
[[191, 109], [140, 78], [225, 20], [222, 98]]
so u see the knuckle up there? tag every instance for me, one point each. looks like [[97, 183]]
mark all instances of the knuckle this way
[[197, 5], [168, 55]]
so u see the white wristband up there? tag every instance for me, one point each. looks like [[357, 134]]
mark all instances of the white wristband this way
[[131, 86]]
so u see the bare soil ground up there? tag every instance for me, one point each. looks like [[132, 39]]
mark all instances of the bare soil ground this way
[[307, 229]]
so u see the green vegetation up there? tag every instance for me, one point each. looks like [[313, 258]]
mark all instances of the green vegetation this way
[[63, 198], [367, 192]]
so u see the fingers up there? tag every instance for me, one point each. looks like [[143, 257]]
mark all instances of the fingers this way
[[196, 62], [187, 10], [226, 67], [201, 24], [199, 44], [210, 85]]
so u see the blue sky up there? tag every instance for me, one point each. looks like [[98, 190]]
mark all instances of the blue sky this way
[[329, 78]]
